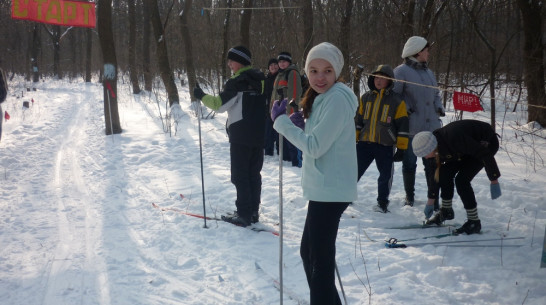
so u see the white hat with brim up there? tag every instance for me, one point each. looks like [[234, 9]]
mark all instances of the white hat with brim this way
[[414, 45]]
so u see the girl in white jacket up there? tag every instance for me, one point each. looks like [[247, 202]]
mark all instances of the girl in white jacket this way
[[329, 168]]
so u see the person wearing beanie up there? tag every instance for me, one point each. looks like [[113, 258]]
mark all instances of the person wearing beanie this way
[[381, 123], [243, 99], [417, 85], [460, 150], [287, 86], [329, 163], [271, 136]]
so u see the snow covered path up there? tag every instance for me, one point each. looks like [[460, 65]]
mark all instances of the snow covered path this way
[[77, 224]]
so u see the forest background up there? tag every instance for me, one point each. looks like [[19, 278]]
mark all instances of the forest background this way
[[479, 46]]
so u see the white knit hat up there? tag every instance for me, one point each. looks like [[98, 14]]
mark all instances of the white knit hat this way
[[414, 45], [328, 52], [424, 143]]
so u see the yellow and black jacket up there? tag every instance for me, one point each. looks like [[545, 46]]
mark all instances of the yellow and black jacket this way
[[382, 116]]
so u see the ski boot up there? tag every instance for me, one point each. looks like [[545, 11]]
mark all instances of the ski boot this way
[[382, 206], [469, 227], [236, 219], [443, 215]]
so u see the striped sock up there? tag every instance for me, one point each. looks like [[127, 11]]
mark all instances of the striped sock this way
[[472, 214], [447, 204]]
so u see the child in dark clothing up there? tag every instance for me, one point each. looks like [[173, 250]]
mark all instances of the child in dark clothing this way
[[461, 150]]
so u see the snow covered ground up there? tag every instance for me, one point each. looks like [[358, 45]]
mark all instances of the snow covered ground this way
[[77, 224]]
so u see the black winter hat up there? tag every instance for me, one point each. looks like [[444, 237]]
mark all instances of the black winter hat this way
[[272, 61], [285, 56], [240, 54]]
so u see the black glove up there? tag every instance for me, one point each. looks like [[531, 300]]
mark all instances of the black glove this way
[[198, 92], [399, 155], [441, 112]]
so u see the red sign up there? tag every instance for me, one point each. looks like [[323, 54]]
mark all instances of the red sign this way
[[466, 102], [59, 12]]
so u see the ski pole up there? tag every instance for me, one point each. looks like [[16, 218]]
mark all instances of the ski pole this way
[[341, 286], [281, 140], [280, 215], [198, 104]]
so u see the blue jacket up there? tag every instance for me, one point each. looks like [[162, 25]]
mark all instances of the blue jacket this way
[[423, 103], [329, 171]]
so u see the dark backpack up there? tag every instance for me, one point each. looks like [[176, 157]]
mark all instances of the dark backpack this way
[[3, 86]]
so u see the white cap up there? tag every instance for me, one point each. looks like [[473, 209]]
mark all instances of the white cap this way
[[424, 143], [414, 45], [328, 52]]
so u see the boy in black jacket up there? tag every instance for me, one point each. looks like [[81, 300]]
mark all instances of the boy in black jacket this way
[[461, 150], [244, 100]]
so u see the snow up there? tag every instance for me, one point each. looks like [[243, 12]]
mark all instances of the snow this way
[[77, 224]]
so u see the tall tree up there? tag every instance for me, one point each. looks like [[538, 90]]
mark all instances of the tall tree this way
[[188, 46], [88, 54], [345, 34], [245, 23], [133, 71], [146, 33], [35, 50], [225, 36], [162, 54], [106, 37], [533, 59], [308, 30]]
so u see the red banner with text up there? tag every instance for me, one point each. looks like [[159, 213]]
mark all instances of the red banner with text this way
[[59, 12], [466, 102]]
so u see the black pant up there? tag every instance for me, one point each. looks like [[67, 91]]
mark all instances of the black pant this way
[[460, 173], [271, 137], [366, 152], [318, 250], [246, 164]]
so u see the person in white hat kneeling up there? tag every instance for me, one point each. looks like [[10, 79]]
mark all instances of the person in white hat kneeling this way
[[461, 149]]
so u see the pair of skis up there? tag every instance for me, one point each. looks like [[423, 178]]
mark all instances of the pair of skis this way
[[395, 243], [254, 227], [463, 242]]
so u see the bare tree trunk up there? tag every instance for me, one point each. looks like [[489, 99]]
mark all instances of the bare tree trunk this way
[[533, 60], [430, 17], [55, 35], [106, 37], [148, 79], [34, 53], [407, 20], [188, 46], [88, 55], [245, 24], [162, 55], [307, 27], [225, 36], [493, 56], [133, 71], [345, 37]]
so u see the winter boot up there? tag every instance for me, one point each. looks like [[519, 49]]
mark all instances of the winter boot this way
[[470, 227], [255, 217], [382, 206], [409, 187], [236, 219]]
